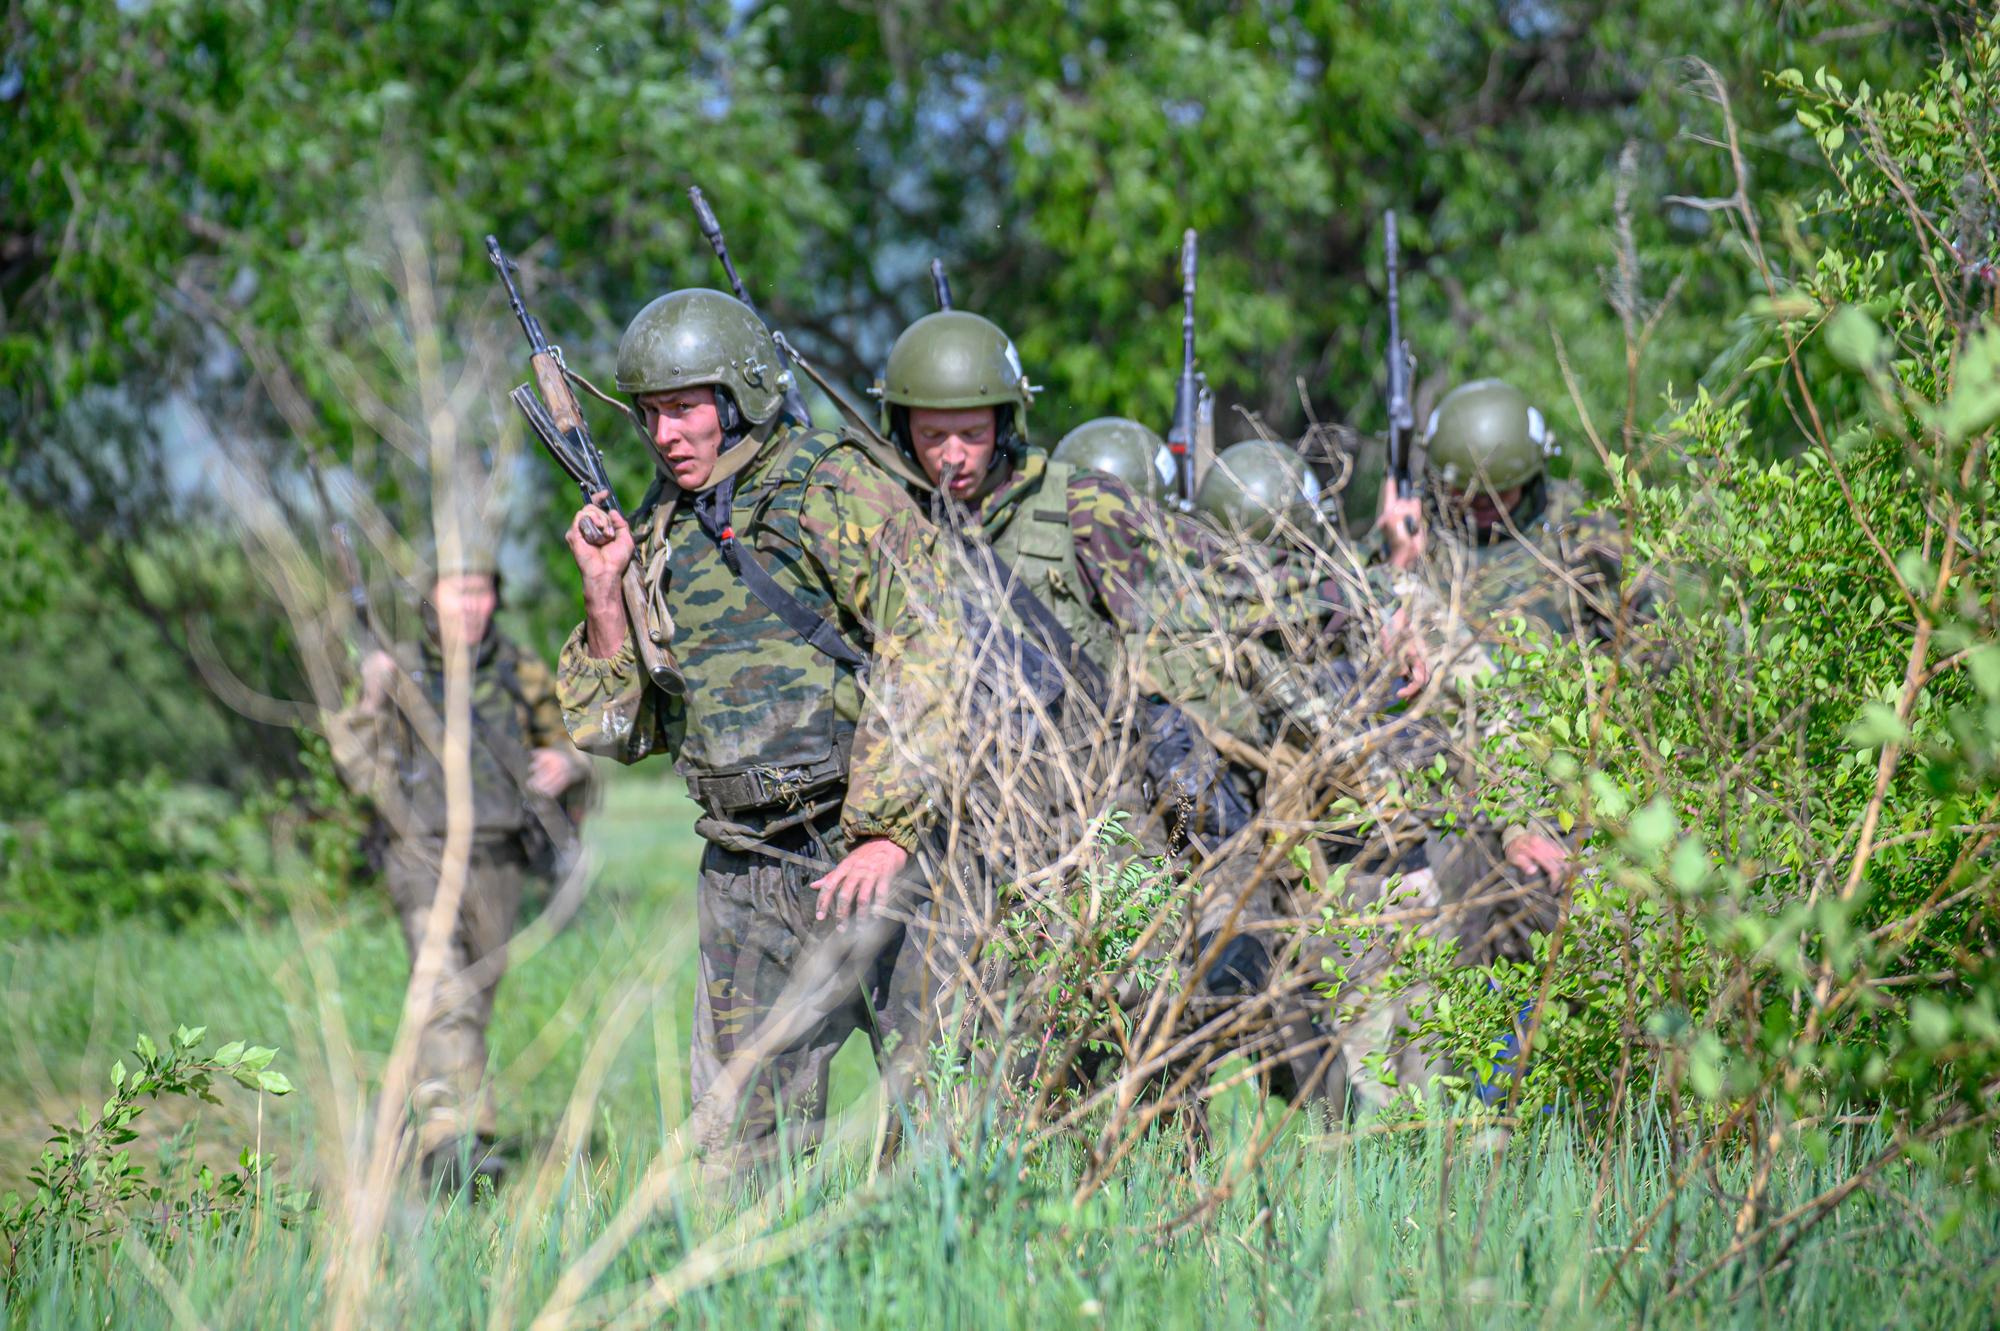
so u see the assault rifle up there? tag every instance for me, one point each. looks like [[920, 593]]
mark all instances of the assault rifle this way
[[1187, 393], [711, 230], [940, 284], [557, 420], [1402, 418]]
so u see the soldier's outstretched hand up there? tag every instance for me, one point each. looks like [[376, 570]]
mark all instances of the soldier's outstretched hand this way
[[551, 772], [378, 676], [1409, 649], [861, 881]]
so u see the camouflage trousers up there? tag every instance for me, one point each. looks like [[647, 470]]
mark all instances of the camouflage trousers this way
[[780, 992], [449, 1095]]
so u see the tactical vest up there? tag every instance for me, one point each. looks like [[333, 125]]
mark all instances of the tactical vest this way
[[1513, 576], [1037, 545], [499, 749], [768, 719]]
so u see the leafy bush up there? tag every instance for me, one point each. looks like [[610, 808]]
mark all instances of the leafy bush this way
[[88, 1190], [1791, 797], [176, 853]]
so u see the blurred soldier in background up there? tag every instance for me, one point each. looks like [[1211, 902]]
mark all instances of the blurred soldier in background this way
[[777, 560], [389, 747], [1510, 547]]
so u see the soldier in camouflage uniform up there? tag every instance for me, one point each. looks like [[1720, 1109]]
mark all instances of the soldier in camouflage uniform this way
[[388, 747], [1528, 563], [778, 559], [1533, 561], [1315, 697], [1148, 596]]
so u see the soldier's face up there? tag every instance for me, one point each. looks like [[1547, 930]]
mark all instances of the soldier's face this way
[[465, 604], [1487, 509], [686, 433], [959, 441]]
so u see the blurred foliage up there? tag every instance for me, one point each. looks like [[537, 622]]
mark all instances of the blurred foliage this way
[[145, 846], [1793, 791], [88, 1191]]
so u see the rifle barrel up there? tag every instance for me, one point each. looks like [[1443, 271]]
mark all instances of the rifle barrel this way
[[537, 341], [711, 231], [1187, 295]]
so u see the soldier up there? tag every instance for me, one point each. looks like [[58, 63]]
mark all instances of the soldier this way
[[1526, 548], [1315, 696], [779, 559], [1145, 596], [388, 746], [1524, 554], [1117, 446], [1532, 550]]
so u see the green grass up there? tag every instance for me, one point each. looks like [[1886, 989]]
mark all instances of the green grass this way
[[1412, 1229]]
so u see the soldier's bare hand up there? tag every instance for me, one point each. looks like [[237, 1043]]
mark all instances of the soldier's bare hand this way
[[861, 881], [1535, 854], [551, 772], [1409, 650], [1401, 523], [378, 676], [601, 541]]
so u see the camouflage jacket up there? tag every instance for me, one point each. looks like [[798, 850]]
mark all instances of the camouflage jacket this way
[[1555, 568], [391, 755], [768, 724], [1124, 575]]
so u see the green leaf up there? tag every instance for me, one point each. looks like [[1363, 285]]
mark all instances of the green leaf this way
[[256, 1058], [1650, 827], [1974, 404], [274, 1082], [1855, 341], [1930, 1023], [229, 1053], [118, 1074], [147, 1049], [1876, 726], [1689, 864], [1984, 667]]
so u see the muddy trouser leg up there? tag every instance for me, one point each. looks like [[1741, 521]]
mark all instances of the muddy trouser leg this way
[[449, 1096], [781, 993], [1379, 1057]]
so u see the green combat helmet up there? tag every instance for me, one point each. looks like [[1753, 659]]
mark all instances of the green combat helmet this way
[[1122, 448], [1254, 484], [955, 359], [698, 337], [1485, 432]]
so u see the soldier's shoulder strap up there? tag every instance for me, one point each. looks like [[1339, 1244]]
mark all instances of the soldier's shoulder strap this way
[[775, 501], [778, 493]]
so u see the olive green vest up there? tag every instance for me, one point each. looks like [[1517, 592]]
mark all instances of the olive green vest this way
[[759, 699], [1030, 533]]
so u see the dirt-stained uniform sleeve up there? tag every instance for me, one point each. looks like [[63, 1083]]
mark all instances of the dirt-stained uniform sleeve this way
[[877, 554], [608, 705]]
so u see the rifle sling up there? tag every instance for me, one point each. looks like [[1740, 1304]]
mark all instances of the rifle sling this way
[[711, 513]]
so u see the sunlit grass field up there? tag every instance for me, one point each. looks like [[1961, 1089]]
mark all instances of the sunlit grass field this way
[[1426, 1227]]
